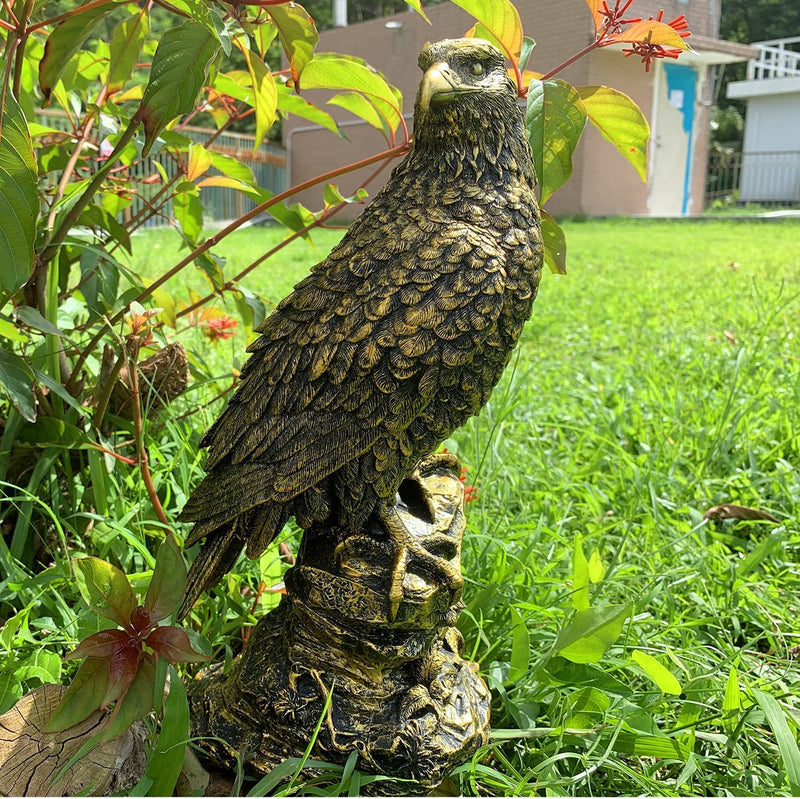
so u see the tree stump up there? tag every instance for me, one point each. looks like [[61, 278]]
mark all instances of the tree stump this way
[[30, 760], [388, 683]]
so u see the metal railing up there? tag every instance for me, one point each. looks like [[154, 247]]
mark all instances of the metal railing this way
[[777, 58], [769, 177], [220, 203]]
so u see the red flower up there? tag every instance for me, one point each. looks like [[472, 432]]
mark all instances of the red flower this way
[[220, 327], [612, 17], [648, 52]]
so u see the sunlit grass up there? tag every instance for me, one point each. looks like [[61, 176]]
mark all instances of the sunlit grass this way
[[661, 377]]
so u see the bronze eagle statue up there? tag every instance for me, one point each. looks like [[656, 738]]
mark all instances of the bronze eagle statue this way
[[394, 340]]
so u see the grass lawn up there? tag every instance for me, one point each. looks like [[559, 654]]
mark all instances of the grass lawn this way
[[632, 646], [660, 378]]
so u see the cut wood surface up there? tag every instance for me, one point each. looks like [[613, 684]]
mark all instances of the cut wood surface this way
[[30, 759]]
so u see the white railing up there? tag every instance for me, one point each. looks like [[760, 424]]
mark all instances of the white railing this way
[[777, 58]]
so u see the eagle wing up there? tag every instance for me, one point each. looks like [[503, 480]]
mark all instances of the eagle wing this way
[[349, 360]]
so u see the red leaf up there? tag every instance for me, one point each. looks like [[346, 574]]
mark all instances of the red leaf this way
[[137, 701], [719, 513], [122, 669], [173, 644], [100, 645]]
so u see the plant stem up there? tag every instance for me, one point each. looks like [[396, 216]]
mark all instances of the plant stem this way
[[68, 14], [136, 411], [573, 59], [95, 340], [72, 216], [327, 214]]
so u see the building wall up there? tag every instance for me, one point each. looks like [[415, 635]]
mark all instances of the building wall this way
[[599, 185]]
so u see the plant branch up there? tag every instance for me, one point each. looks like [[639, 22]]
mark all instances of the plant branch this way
[[136, 411], [68, 14], [274, 200], [69, 169], [10, 9], [574, 58], [327, 214], [72, 215]]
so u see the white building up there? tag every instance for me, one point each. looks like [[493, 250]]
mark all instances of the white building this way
[[771, 147]]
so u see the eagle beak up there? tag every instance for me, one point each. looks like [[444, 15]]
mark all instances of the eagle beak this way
[[440, 85]]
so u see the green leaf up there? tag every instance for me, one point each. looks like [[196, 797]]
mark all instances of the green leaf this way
[[67, 38], [359, 105], [211, 266], [19, 201], [198, 11], [587, 708], [10, 331], [10, 691], [33, 319], [785, 738], [232, 168], [251, 307], [179, 70], [501, 23], [525, 54], [555, 244], [165, 763], [348, 73], [732, 702], [264, 97], [417, 6], [642, 745], [620, 121], [126, 44], [83, 697], [520, 647], [658, 673], [16, 378], [188, 210], [165, 591], [591, 632], [52, 432], [596, 569], [580, 577], [298, 36], [290, 103], [43, 665], [110, 593], [554, 121]]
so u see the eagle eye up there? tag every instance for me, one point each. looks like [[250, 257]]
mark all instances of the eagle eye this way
[[476, 69]]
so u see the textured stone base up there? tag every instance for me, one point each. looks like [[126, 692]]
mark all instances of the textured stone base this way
[[398, 691]]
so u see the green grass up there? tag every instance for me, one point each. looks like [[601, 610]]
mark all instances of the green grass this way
[[661, 377]]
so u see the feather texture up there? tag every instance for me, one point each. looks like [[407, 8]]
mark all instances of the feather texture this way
[[394, 340]]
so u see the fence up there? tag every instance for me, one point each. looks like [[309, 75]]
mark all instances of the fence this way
[[777, 58], [769, 177], [220, 203]]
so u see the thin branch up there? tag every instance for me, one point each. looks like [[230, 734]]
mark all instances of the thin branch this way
[[72, 215], [10, 9], [67, 14], [136, 411], [211, 242], [327, 214], [69, 169]]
